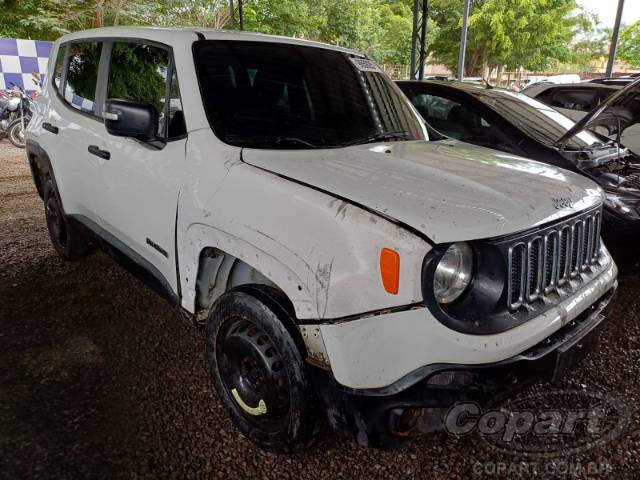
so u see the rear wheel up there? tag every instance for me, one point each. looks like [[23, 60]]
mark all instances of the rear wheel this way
[[68, 237], [259, 373]]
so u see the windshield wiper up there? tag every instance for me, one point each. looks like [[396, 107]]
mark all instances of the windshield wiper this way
[[296, 140], [378, 137]]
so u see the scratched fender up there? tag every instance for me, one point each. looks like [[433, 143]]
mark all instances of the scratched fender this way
[[316, 248]]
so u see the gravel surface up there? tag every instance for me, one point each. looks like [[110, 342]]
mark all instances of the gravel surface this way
[[101, 378]]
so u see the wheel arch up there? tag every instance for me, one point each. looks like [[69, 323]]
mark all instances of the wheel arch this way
[[214, 262], [40, 165]]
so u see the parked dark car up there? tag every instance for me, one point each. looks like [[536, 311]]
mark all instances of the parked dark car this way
[[520, 125]]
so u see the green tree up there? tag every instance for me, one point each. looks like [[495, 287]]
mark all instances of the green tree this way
[[186, 13], [49, 19], [37, 19], [593, 45], [629, 46], [297, 18], [527, 33]]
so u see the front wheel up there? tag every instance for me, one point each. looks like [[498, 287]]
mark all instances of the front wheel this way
[[16, 134], [259, 373]]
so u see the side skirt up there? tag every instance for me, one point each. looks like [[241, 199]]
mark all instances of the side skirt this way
[[131, 261]]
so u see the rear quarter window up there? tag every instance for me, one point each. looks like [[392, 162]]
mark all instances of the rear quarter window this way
[[58, 69]]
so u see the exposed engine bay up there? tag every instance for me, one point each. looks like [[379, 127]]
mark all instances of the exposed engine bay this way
[[613, 169], [620, 174]]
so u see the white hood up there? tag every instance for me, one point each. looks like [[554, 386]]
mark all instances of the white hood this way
[[448, 190]]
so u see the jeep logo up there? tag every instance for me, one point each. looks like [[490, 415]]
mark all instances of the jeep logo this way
[[562, 202]]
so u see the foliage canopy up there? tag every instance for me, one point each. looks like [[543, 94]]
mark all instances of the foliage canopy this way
[[533, 34], [629, 47]]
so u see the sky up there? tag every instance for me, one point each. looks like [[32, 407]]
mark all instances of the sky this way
[[606, 10]]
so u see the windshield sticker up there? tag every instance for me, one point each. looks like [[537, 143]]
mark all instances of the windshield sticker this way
[[365, 65]]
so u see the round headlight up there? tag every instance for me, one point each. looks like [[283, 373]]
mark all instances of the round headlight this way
[[453, 273], [626, 206]]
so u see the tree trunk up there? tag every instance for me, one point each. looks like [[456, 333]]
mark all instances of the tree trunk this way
[[519, 80], [486, 71], [499, 75], [116, 17], [472, 66], [99, 19]]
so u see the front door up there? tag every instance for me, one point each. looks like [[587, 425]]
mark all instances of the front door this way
[[141, 181]]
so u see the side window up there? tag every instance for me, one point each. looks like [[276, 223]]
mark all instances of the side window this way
[[450, 117], [59, 67], [461, 121], [546, 95], [176, 126], [582, 100], [82, 75], [605, 94], [433, 107], [140, 73]]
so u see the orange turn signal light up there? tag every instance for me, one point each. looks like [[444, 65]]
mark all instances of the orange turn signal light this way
[[390, 270]]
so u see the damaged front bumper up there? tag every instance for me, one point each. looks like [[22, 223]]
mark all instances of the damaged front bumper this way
[[418, 402]]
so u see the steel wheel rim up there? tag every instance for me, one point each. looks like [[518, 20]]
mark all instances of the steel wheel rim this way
[[253, 374]]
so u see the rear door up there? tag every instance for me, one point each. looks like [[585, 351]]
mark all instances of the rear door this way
[[72, 123], [138, 197]]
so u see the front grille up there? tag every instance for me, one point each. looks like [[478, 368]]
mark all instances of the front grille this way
[[546, 262]]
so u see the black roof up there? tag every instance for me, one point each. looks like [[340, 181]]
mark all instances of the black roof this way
[[465, 87]]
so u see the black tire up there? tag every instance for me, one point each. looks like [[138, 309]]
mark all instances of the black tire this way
[[69, 238], [16, 134], [252, 352]]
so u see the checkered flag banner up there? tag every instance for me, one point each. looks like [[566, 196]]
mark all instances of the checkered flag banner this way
[[19, 59]]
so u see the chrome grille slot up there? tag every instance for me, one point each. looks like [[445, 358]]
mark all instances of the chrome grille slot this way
[[535, 272], [551, 257], [587, 242], [517, 271], [565, 253], [576, 247], [554, 259], [596, 236]]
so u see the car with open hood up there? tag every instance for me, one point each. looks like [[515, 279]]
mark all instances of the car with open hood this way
[[579, 100], [517, 124], [345, 263]]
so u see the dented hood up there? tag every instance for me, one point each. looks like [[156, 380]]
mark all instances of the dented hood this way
[[616, 114], [448, 190]]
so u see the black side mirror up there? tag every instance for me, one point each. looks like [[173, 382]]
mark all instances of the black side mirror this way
[[125, 118]]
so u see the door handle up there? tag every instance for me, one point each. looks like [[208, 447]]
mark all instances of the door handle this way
[[50, 128], [95, 150]]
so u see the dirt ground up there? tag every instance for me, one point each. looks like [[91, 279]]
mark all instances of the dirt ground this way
[[101, 378]]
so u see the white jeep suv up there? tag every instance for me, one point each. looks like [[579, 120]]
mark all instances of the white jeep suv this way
[[351, 265]]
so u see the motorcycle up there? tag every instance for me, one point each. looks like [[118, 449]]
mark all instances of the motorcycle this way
[[17, 126], [16, 109], [9, 104]]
